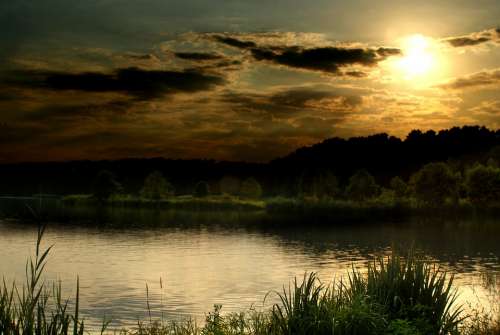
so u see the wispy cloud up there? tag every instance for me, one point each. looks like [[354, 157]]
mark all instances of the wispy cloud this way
[[476, 80], [475, 38]]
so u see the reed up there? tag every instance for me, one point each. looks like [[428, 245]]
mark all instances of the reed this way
[[34, 308]]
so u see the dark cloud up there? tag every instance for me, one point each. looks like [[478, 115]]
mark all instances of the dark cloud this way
[[140, 56], [235, 42], [356, 74], [467, 41], [139, 83], [300, 97], [198, 56], [75, 113], [324, 59], [473, 38], [387, 52], [290, 101], [475, 80]]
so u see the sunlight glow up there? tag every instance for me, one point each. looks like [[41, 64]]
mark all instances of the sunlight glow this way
[[418, 59]]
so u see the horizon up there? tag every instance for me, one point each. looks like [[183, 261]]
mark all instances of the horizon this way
[[401, 138]]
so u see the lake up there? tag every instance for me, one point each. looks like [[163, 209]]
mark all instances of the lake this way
[[191, 261]]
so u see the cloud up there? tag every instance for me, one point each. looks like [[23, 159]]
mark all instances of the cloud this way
[[235, 42], [73, 113], [475, 80], [487, 112], [139, 83], [135, 56], [329, 59], [291, 101], [198, 56], [473, 39]]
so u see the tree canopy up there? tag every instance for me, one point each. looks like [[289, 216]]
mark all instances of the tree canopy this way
[[156, 187]]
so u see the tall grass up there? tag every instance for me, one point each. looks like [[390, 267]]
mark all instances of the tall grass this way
[[396, 293], [34, 308]]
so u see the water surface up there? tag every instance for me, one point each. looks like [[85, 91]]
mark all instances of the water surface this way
[[191, 261]]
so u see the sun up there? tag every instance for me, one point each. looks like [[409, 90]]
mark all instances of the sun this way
[[418, 60]]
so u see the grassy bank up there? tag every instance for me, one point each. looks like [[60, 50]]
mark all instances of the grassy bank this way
[[302, 205], [397, 295], [187, 202]]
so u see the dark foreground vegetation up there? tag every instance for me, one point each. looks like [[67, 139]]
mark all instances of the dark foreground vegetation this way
[[397, 295]]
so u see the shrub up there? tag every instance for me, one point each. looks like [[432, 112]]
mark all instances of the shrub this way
[[201, 189], [362, 186], [318, 184], [250, 188], [230, 185], [482, 183], [399, 187], [156, 187], [105, 185], [434, 183]]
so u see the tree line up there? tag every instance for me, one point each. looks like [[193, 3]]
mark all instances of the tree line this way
[[342, 168]]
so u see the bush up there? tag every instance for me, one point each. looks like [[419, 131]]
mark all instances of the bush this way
[[156, 187], [318, 184], [201, 189], [362, 186], [482, 184], [230, 185], [434, 183], [105, 185], [399, 187], [250, 188]]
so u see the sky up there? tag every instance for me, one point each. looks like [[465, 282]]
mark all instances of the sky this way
[[238, 80]]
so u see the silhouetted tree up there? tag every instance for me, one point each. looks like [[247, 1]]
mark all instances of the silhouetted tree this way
[[318, 183], [362, 186], [399, 187], [434, 183], [482, 184], [156, 187], [230, 185], [105, 185], [250, 188], [201, 189]]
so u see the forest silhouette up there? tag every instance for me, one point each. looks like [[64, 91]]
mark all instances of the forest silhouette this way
[[381, 156]]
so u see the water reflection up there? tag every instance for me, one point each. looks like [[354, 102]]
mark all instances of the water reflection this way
[[229, 258]]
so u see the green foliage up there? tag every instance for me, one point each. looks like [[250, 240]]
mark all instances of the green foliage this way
[[362, 186], [434, 183], [105, 185], [250, 188], [399, 187], [156, 187], [201, 189], [402, 327], [318, 184], [483, 184], [230, 185]]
